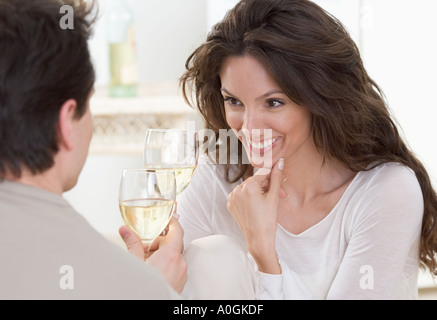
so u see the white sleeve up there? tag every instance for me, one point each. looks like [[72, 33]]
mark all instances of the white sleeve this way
[[384, 241], [285, 286]]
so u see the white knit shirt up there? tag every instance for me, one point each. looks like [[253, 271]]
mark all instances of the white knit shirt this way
[[365, 248]]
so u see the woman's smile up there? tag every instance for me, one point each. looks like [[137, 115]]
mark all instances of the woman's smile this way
[[262, 146]]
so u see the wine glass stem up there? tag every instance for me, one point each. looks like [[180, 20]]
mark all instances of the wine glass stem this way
[[147, 244]]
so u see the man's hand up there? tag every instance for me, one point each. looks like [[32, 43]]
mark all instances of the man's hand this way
[[165, 253]]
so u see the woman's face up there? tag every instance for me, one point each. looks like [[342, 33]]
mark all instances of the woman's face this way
[[268, 123]]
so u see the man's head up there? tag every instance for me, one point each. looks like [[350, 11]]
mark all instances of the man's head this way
[[46, 79]]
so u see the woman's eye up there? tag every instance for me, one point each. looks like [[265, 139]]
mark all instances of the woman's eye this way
[[274, 103], [232, 101]]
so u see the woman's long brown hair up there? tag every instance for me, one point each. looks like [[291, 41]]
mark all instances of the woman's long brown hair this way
[[317, 64]]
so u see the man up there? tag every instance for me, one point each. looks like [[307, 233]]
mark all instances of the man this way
[[47, 250]]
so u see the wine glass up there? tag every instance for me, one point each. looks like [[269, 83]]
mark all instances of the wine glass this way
[[172, 149], [147, 200]]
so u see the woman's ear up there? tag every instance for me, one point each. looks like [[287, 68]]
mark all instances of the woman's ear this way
[[65, 124]]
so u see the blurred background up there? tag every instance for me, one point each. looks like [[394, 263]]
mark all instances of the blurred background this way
[[397, 40]]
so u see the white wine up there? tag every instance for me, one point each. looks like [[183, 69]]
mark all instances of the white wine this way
[[147, 217], [183, 176]]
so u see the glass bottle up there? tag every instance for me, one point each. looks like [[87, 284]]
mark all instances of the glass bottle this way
[[122, 50]]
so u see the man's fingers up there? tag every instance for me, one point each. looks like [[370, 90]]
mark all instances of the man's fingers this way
[[132, 241]]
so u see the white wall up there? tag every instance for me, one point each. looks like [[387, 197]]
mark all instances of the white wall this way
[[167, 32], [216, 9], [400, 53], [95, 196]]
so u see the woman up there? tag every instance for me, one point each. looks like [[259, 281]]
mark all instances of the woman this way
[[347, 211]]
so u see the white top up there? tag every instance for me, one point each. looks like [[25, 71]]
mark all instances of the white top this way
[[365, 248]]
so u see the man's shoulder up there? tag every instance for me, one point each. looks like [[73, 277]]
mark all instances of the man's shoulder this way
[[50, 251]]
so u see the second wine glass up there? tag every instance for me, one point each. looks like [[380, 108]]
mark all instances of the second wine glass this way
[[172, 149]]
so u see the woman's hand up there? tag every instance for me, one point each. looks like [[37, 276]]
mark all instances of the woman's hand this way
[[254, 206], [165, 254]]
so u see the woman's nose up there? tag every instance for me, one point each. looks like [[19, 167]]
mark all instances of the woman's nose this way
[[252, 122]]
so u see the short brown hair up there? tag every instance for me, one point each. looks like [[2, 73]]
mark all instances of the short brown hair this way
[[41, 66]]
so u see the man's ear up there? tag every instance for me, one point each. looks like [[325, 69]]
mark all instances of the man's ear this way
[[65, 124]]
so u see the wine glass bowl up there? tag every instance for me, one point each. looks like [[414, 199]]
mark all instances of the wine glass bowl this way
[[147, 200], [172, 149]]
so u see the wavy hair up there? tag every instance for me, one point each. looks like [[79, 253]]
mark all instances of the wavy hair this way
[[317, 64]]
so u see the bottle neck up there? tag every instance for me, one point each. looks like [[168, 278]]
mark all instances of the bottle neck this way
[[120, 20], [120, 5]]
